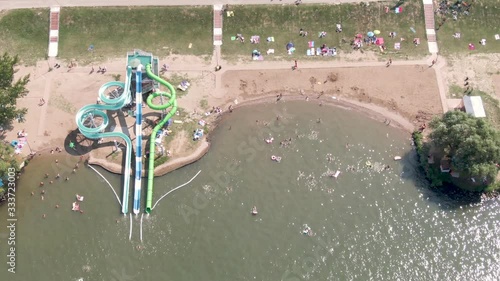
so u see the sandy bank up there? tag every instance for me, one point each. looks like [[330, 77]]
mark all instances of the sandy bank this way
[[161, 170]]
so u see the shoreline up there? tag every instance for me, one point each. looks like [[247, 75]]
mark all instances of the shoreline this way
[[369, 110], [159, 171]]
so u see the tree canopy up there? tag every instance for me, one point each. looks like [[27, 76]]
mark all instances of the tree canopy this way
[[10, 91], [7, 160], [471, 143]]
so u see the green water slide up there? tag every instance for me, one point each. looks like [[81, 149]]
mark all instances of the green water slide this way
[[92, 122], [172, 102]]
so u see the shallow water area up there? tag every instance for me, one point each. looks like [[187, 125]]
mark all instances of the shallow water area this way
[[376, 220]]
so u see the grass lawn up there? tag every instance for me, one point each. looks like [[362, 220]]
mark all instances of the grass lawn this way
[[114, 31], [491, 105], [482, 22], [284, 23], [25, 33]]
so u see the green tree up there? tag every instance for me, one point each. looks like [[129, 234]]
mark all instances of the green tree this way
[[10, 91], [7, 160], [472, 144]]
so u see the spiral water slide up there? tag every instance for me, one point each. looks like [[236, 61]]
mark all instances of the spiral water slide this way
[[172, 102], [92, 122]]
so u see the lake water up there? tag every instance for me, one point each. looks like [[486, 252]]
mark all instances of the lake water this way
[[376, 221]]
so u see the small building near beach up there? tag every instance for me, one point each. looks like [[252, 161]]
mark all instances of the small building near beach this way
[[474, 106]]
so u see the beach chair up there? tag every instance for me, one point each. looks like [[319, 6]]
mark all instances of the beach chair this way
[[497, 36], [233, 38], [311, 44], [318, 51], [397, 46], [308, 52], [270, 39], [270, 51]]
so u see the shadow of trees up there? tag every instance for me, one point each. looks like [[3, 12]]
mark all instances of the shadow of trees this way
[[446, 197]]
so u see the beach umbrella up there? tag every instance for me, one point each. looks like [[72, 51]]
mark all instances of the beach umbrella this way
[[376, 32], [370, 34]]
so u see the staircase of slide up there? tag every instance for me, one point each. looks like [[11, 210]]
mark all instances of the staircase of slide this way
[[172, 102], [85, 118]]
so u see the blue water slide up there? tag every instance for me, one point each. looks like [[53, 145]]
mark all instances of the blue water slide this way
[[138, 140]]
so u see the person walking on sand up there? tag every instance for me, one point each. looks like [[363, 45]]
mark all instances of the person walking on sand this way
[[295, 65]]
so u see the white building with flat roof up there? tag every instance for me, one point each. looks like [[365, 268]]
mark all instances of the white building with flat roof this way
[[474, 106]]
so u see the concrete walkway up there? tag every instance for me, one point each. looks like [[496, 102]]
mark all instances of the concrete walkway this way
[[429, 26]]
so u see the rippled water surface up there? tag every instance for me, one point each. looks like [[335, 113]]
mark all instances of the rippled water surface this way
[[376, 221]]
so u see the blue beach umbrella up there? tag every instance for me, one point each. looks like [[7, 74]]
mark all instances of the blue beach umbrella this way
[[370, 34]]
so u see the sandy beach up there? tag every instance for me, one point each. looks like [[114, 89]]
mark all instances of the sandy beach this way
[[406, 94]]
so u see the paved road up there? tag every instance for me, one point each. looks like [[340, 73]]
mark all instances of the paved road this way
[[19, 4]]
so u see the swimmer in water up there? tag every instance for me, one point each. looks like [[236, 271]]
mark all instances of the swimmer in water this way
[[57, 206], [44, 216], [74, 170], [76, 166], [41, 183], [57, 161], [51, 182], [81, 211], [58, 176], [43, 198], [42, 192], [32, 193], [46, 175]]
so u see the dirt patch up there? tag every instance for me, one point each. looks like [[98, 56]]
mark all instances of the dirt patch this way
[[479, 68]]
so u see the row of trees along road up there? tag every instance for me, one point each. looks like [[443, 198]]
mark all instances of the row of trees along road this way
[[10, 91], [471, 143]]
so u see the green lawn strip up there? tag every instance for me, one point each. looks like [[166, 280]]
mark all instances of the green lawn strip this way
[[114, 31], [25, 33], [284, 23], [482, 23]]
